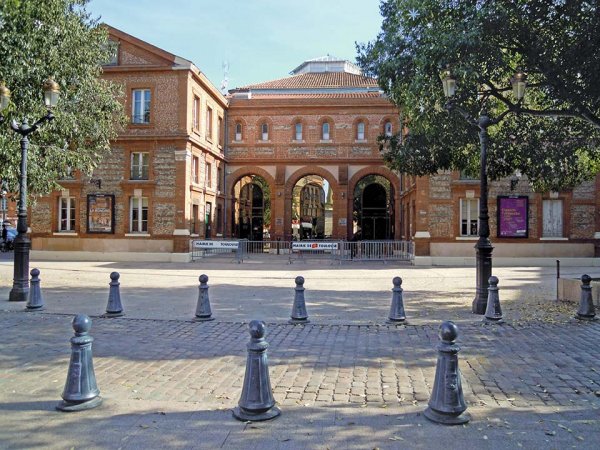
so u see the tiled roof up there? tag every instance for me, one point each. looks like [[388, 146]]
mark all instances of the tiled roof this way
[[317, 80], [318, 95]]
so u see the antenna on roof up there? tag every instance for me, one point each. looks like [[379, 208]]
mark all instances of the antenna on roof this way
[[225, 82]]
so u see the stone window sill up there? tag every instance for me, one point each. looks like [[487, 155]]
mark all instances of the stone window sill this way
[[137, 235], [554, 239]]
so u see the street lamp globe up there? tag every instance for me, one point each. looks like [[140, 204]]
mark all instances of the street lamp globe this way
[[449, 83], [519, 83], [4, 97], [51, 93]]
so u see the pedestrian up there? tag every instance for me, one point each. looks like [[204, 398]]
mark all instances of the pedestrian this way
[[4, 236]]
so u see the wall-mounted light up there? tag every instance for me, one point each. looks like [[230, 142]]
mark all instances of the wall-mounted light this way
[[97, 182], [343, 195], [514, 180], [279, 194]]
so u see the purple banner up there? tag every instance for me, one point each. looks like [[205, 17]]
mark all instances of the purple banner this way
[[512, 216]]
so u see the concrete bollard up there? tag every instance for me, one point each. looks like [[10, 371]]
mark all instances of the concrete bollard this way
[[256, 402], [397, 315], [586, 309], [299, 314], [447, 404], [35, 301], [81, 391], [114, 308], [493, 311], [203, 311]]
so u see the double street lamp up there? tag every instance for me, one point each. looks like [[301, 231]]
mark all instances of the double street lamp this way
[[22, 244], [483, 122]]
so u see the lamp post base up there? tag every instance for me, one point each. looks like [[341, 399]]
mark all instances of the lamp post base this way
[[18, 295]]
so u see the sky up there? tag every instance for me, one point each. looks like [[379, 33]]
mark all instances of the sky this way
[[260, 40]]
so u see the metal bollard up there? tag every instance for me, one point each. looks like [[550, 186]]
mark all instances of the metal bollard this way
[[586, 309], [203, 311], [114, 308], [256, 402], [299, 314], [397, 315], [493, 311], [81, 391], [447, 404], [35, 302]]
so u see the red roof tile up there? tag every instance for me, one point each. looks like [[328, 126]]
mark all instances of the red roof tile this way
[[317, 80], [317, 95]]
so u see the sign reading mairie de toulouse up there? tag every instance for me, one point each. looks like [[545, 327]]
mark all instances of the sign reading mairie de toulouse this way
[[216, 244], [513, 216], [314, 245]]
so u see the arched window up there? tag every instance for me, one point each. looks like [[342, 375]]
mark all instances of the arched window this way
[[238, 131], [387, 128], [298, 131], [360, 131], [264, 132], [325, 131]]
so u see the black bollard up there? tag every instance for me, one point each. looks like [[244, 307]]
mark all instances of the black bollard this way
[[257, 402], [493, 312], [35, 301], [81, 391], [397, 315], [299, 314], [203, 312], [447, 404], [586, 309], [114, 308]]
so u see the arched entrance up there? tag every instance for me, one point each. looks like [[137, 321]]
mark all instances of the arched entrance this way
[[252, 208], [312, 209], [373, 209]]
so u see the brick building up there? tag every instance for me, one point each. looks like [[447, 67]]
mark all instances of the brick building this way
[[292, 158]]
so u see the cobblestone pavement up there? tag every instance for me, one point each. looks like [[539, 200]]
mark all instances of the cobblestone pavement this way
[[372, 374]]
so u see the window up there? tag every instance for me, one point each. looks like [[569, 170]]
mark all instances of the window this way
[[220, 130], [139, 166], [66, 214], [138, 215], [208, 175], [469, 212], [325, 131], [219, 220], [553, 218], [208, 122], [195, 169], [196, 113], [360, 131], [194, 221], [387, 128], [298, 133], [219, 179], [238, 131], [264, 132], [140, 107]]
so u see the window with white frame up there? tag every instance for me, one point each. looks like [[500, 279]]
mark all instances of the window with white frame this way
[[387, 128], [220, 131], [264, 132], [325, 131], [196, 113], [360, 131], [238, 131], [138, 215], [469, 214], [140, 106], [553, 218], [298, 131], [139, 165], [195, 169], [209, 123], [208, 175], [66, 214]]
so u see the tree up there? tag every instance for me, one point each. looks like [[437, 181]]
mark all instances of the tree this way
[[57, 38], [553, 134]]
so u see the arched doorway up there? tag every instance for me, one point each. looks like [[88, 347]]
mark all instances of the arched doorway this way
[[252, 208], [373, 209], [312, 209]]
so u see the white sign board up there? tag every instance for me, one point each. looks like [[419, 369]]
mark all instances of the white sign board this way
[[314, 245], [216, 244]]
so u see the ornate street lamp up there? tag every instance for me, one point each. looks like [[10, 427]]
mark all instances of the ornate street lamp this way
[[22, 244], [484, 245]]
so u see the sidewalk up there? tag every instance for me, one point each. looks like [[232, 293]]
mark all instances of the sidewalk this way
[[344, 381]]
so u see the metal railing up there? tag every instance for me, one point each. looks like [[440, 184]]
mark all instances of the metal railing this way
[[334, 251]]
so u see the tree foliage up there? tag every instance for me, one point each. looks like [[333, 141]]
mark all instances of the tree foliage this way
[[57, 38], [552, 136]]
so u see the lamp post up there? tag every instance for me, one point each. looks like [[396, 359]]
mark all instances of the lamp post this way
[[4, 204], [22, 244], [483, 122]]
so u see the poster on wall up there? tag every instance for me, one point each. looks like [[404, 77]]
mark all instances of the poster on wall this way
[[513, 218], [100, 213]]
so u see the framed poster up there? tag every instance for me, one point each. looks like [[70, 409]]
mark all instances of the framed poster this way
[[513, 216], [100, 213]]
